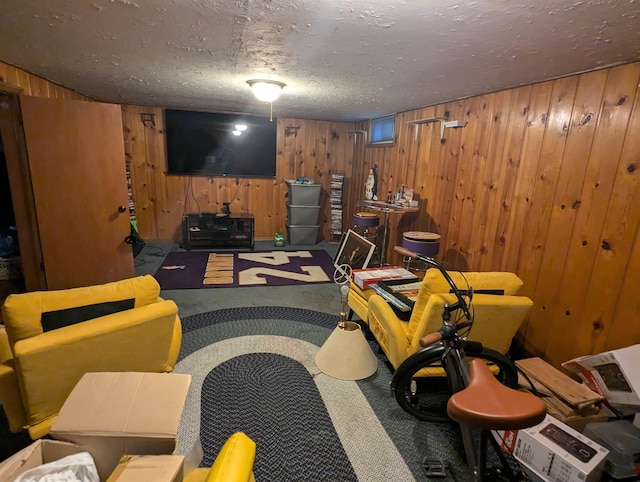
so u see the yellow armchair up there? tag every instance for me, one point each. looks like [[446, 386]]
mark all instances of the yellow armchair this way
[[497, 316], [234, 463], [358, 301], [52, 338]]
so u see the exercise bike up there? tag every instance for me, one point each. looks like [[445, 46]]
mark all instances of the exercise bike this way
[[478, 389]]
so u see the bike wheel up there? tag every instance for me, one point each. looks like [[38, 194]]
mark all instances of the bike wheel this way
[[422, 389]]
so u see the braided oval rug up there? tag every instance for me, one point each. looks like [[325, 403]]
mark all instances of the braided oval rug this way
[[253, 370]]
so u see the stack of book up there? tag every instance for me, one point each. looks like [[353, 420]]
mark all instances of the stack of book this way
[[405, 291], [335, 201], [400, 294], [364, 278]]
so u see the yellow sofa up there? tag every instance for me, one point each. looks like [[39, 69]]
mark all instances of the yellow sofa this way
[[234, 463], [51, 338], [358, 300], [497, 316]]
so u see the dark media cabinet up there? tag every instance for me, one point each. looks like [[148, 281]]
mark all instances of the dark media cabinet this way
[[217, 230]]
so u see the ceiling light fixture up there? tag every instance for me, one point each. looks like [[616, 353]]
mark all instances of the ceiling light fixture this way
[[266, 90]]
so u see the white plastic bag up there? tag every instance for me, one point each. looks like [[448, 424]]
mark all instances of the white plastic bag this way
[[73, 468]]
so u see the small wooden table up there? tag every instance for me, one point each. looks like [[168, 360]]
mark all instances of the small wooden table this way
[[386, 209]]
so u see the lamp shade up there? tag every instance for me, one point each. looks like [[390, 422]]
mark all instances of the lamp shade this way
[[346, 354], [266, 90]]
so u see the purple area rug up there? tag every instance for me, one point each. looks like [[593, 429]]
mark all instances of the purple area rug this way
[[226, 269]]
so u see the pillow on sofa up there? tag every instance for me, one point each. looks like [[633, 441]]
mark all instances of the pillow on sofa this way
[[52, 320]]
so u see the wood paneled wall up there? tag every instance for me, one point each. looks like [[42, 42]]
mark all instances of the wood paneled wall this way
[[34, 85], [305, 148], [544, 181]]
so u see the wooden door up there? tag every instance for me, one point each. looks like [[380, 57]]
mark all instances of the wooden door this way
[[76, 162]]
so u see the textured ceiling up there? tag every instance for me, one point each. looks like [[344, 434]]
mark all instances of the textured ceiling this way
[[341, 60]]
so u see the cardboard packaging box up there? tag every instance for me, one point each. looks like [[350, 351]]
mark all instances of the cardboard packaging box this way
[[364, 278], [138, 468], [614, 375], [555, 452], [128, 413], [38, 453]]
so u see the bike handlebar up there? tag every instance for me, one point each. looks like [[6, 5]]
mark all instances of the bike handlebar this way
[[430, 339], [445, 332], [462, 304]]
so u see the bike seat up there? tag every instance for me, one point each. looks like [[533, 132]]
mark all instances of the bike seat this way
[[488, 404]]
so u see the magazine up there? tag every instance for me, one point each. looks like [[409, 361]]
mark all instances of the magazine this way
[[406, 287], [406, 292]]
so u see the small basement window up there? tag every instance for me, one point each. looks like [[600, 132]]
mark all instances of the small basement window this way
[[382, 130]]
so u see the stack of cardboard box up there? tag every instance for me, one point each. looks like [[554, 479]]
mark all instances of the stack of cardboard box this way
[[127, 421], [577, 441], [615, 375]]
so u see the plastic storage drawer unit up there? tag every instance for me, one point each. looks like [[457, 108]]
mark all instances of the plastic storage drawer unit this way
[[307, 215], [301, 194], [622, 438], [301, 235]]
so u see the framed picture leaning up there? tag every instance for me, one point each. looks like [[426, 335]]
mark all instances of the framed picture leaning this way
[[354, 250]]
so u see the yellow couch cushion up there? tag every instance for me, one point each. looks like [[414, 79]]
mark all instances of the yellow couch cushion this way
[[355, 289], [358, 300], [234, 463], [22, 313], [235, 460], [52, 363], [496, 319], [433, 282], [5, 349]]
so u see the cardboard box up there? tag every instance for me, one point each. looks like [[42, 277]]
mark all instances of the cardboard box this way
[[38, 453], [555, 452], [613, 374], [364, 278], [159, 468], [128, 413]]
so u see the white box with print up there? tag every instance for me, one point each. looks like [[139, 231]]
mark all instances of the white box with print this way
[[555, 452], [614, 374]]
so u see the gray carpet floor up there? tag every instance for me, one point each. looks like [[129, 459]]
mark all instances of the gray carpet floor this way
[[253, 370], [412, 439], [382, 442]]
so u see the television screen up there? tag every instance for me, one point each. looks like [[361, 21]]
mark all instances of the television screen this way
[[209, 144]]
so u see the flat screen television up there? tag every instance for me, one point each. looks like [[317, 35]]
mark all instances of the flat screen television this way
[[218, 145]]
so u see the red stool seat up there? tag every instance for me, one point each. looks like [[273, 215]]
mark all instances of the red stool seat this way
[[488, 404]]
